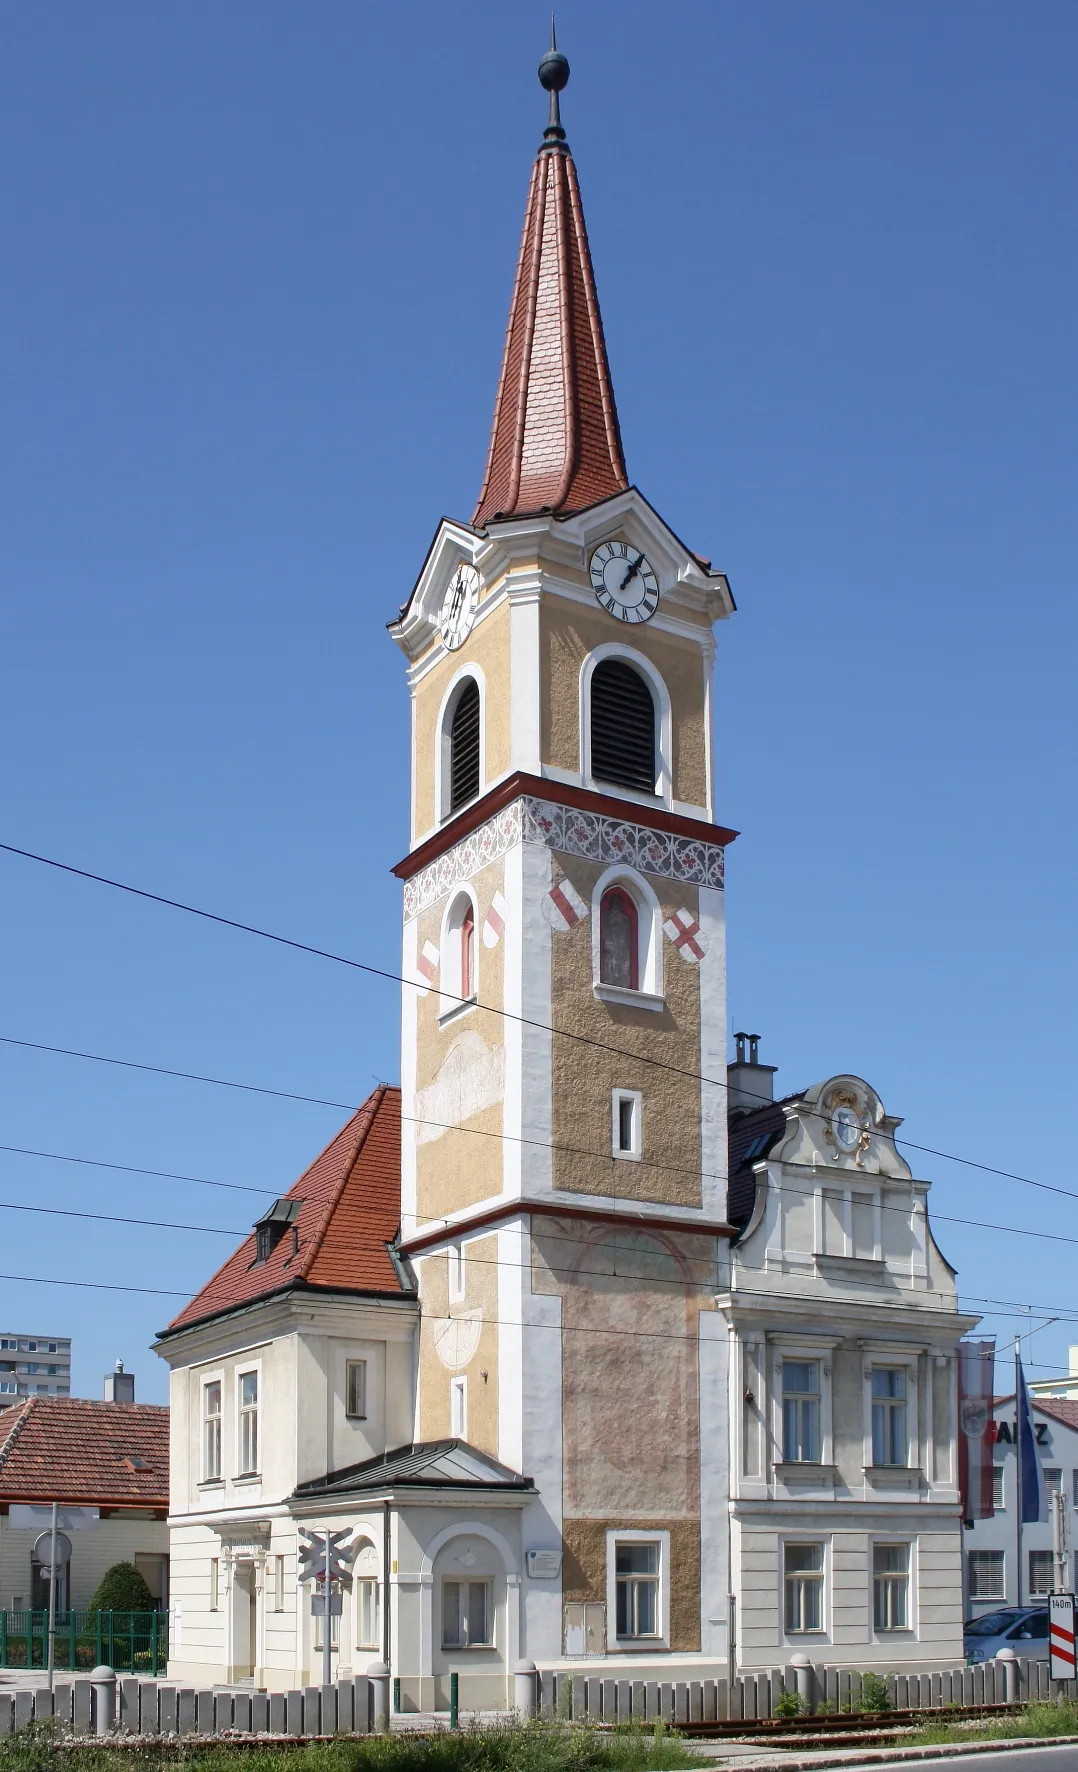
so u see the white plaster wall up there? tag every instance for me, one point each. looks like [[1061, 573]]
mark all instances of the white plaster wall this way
[[115, 1540], [712, 968]]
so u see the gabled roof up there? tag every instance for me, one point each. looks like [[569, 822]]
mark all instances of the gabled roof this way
[[349, 1212], [428, 1464], [1061, 1409], [74, 1450], [555, 444]]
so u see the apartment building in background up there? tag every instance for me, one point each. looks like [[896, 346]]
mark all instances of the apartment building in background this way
[[33, 1366]]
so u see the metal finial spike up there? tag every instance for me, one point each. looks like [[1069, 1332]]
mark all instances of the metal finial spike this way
[[554, 77]]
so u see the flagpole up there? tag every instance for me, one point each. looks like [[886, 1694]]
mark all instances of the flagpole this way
[[1017, 1473]]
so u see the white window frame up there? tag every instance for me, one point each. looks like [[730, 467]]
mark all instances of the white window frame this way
[[215, 1584], [361, 1413], [649, 935], [909, 1629], [204, 1382], [794, 1348], [246, 1371], [637, 1645], [458, 1278], [367, 1586], [458, 1408], [634, 1151], [879, 1354], [450, 1002], [823, 1634], [442, 782], [278, 1583], [664, 783], [467, 1580]]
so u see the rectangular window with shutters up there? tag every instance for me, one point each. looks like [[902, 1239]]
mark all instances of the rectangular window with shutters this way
[[997, 1487], [1041, 1572], [986, 1575], [467, 1615]]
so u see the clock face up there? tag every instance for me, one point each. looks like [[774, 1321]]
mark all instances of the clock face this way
[[623, 582], [458, 607], [846, 1127]]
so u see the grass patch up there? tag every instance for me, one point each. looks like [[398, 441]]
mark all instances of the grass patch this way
[[1058, 1717], [536, 1747]]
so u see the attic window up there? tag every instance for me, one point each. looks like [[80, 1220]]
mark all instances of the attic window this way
[[271, 1228], [134, 1464], [757, 1146], [622, 727]]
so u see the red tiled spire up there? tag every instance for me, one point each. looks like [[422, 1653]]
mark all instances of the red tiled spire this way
[[555, 444]]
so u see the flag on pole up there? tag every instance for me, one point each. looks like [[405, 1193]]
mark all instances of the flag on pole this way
[[1031, 1477], [976, 1376]]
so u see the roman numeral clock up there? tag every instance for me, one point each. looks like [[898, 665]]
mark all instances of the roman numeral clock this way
[[624, 582]]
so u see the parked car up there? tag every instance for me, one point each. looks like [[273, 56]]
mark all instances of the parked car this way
[[1021, 1628]]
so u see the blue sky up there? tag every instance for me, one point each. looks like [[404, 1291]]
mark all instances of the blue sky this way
[[258, 261]]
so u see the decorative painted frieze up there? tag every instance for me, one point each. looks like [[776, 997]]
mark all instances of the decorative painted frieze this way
[[571, 832]]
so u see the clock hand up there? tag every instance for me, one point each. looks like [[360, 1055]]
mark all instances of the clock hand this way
[[632, 572]]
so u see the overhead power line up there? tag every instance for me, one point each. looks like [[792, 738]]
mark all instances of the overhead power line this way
[[383, 973], [235, 1187]]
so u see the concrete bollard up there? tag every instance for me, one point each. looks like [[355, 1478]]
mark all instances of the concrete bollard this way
[[1009, 1661], [802, 1667], [378, 1675], [103, 1712], [525, 1679]]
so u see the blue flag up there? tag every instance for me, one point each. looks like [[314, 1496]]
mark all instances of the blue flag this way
[[1034, 1494]]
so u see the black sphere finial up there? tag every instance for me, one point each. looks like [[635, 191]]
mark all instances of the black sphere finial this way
[[554, 78]]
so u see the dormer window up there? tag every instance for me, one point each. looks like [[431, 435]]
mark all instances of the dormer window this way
[[269, 1230]]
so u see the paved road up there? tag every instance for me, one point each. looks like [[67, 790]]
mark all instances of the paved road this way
[[1019, 1759]]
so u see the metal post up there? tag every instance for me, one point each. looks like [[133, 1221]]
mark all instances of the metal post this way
[[1017, 1476], [1059, 1539], [52, 1599], [454, 1701], [153, 1644], [327, 1622]]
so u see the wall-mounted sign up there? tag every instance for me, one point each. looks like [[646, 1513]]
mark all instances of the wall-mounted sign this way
[[544, 1565]]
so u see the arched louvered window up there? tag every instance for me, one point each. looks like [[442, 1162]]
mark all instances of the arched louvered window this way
[[622, 727], [464, 747], [619, 940]]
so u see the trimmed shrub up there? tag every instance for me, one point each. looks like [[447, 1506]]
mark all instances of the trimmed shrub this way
[[122, 1589]]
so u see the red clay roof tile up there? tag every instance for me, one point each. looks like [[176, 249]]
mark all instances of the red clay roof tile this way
[[71, 1449], [350, 1211]]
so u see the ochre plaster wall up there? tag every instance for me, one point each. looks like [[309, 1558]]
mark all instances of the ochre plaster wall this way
[[437, 1369], [584, 1569], [585, 1075], [462, 1165], [488, 647], [568, 633]]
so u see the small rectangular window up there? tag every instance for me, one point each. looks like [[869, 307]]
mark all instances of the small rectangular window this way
[[801, 1411], [458, 1408], [803, 1581], [467, 1615], [1053, 1479], [986, 1575], [278, 1584], [1041, 1572], [215, 1575], [891, 1586], [456, 1273], [248, 1424], [627, 1125], [997, 1486], [366, 1591], [636, 1577], [890, 1438], [211, 1431], [355, 1390]]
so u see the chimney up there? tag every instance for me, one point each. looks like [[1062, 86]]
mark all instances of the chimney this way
[[749, 1084], [119, 1385]]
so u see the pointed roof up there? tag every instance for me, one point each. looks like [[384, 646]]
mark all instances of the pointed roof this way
[[426, 1464], [555, 444], [349, 1204]]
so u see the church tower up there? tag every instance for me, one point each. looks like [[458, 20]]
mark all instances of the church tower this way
[[563, 1048]]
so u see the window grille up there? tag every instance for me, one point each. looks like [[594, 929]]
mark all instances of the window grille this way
[[801, 1411], [986, 1575], [619, 941], [636, 1577], [1041, 1572], [803, 1577], [464, 747], [622, 727], [997, 1486], [891, 1586], [890, 1440]]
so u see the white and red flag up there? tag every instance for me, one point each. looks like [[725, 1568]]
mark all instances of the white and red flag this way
[[687, 936], [976, 1427]]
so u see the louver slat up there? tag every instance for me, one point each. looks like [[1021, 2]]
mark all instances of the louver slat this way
[[622, 727], [464, 748]]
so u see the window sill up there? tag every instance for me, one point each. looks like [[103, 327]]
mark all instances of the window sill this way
[[212, 1483], [247, 1479], [617, 993], [467, 1648], [638, 1646], [458, 1009], [801, 1468]]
